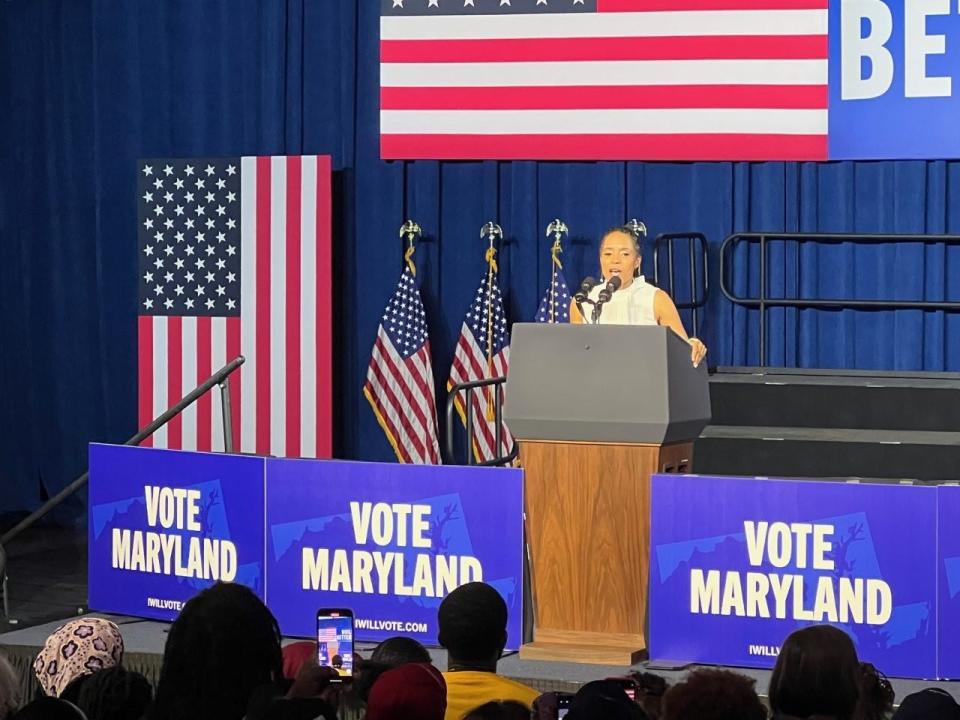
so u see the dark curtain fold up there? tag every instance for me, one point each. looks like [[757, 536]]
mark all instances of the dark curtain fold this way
[[89, 86]]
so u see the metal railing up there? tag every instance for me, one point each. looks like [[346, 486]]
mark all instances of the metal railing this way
[[764, 301], [469, 388], [698, 272], [221, 378]]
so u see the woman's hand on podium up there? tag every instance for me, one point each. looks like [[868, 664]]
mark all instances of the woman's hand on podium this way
[[698, 351]]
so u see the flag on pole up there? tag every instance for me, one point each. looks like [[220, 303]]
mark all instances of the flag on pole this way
[[399, 383], [234, 259], [482, 352], [555, 306]]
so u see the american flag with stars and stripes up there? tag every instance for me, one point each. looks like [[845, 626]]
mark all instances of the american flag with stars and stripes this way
[[235, 260], [399, 383], [604, 79], [482, 352], [555, 306]]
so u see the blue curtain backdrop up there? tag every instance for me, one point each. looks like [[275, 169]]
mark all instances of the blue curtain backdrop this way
[[89, 86]]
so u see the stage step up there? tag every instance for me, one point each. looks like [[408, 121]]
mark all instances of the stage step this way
[[815, 423], [824, 399]]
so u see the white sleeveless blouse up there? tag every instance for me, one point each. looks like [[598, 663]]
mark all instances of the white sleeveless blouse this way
[[630, 306]]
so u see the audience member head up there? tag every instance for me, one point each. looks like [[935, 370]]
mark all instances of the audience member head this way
[[650, 691], [398, 651], [928, 704], [817, 674], [876, 694], [499, 710], [713, 695], [9, 689], [224, 644], [392, 652], [604, 700], [78, 648], [414, 691], [115, 694], [50, 708], [472, 624]]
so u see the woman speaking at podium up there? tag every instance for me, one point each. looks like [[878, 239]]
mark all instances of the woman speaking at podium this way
[[635, 302]]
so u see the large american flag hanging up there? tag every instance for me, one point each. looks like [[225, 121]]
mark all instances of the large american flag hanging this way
[[235, 260], [482, 352], [604, 79], [399, 383]]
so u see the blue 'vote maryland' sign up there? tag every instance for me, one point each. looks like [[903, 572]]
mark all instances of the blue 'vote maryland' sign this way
[[737, 564], [388, 541]]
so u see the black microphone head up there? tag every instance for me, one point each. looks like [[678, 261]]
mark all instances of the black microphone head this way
[[585, 287], [615, 283]]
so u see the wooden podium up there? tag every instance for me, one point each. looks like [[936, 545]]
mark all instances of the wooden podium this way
[[597, 410]]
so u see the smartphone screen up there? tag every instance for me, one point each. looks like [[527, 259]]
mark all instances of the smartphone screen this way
[[335, 640]]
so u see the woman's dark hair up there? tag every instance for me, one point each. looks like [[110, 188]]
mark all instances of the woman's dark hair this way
[[713, 695], [817, 673], [115, 694], [876, 694], [499, 710], [224, 644]]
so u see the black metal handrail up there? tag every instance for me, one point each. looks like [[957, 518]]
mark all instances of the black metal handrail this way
[[764, 301], [469, 388], [698, 291]]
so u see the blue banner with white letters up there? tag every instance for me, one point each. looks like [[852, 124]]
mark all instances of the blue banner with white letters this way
[[385, 540], [892, 90], [390, 542], [949, 578], [164, 525], [737, 564]]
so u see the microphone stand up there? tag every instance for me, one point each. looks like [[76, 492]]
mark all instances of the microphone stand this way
[[580, 302], [597, 309]]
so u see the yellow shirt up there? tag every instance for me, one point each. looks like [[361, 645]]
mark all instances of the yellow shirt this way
[[469, 689]]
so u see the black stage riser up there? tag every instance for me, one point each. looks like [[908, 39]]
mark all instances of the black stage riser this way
[[837, 406], [818, 423], [817, 459]]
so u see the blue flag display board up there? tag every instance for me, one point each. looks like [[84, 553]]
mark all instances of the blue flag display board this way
[[737, 564], [164, 525], [390, 542], [949, 569]]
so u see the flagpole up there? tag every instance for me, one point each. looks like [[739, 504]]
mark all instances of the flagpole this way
[[557, 228], [412, 231], [491, 231]]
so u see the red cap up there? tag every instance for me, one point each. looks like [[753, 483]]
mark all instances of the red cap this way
[[415, 691], [295, 655]]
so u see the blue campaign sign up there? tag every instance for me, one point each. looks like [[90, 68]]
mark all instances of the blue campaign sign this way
[[389, 542], [893, 79], [949, 575], [164, 524], [737, 564]]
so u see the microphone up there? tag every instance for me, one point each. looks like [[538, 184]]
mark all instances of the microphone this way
[[585, 287], [610, 289]]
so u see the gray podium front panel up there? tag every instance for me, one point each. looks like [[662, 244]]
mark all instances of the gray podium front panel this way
[[604, 383]]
